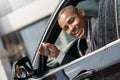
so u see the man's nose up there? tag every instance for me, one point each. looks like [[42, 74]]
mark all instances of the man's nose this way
[[71, 27]]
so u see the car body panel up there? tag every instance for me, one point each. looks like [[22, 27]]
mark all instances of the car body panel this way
[[74, 67], [98, 60]]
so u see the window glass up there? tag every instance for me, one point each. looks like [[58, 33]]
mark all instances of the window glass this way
[[118, 15]]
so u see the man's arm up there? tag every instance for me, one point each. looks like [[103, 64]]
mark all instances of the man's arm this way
[[60, 56]]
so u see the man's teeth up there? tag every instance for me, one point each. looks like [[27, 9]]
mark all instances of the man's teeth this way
[[76, 30], [83, 31]]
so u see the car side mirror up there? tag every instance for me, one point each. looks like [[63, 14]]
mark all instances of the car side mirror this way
[[22, 69]]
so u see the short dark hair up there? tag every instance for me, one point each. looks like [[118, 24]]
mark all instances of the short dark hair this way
[[74, 9]]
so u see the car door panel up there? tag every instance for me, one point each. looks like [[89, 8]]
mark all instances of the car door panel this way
[[112, 54], [89, 62]]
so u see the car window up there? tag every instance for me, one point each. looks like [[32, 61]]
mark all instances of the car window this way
[[91, 9], [112, 72]]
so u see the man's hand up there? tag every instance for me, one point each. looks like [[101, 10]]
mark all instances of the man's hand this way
[[54, 51]]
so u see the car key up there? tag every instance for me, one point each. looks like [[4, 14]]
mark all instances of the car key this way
[[47, 51]]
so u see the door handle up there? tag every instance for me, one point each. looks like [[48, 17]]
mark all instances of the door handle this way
[[84, 74]]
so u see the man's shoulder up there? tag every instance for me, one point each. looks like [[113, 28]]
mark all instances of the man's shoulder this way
[[94, 21]]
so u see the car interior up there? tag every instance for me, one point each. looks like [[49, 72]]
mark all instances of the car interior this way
[[91, 9]]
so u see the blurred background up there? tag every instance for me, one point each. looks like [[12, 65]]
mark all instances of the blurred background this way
[[22, 23]]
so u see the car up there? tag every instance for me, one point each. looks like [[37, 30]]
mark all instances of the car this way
[[101, 64]]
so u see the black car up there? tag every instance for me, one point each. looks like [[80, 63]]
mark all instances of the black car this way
[[101, 64]]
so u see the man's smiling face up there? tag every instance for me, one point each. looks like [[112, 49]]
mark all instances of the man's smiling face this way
[[73, 23]]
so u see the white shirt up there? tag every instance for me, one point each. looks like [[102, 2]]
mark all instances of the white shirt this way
[[60, 57], [62, 54]]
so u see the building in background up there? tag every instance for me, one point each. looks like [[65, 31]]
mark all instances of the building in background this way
[[22, 23]]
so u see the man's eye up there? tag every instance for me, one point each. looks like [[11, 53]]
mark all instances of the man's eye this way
[[66, 28], [71, 21]]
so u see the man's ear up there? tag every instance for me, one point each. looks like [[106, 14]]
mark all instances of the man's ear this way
[[81, 12]]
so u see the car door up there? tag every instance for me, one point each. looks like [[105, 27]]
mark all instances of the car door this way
[[50, 35], [79, 66], [101, 64]]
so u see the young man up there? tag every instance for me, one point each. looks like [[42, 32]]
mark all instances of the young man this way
[[77, 24]]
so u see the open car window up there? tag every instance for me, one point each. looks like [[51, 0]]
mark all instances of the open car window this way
[[91, 9]]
